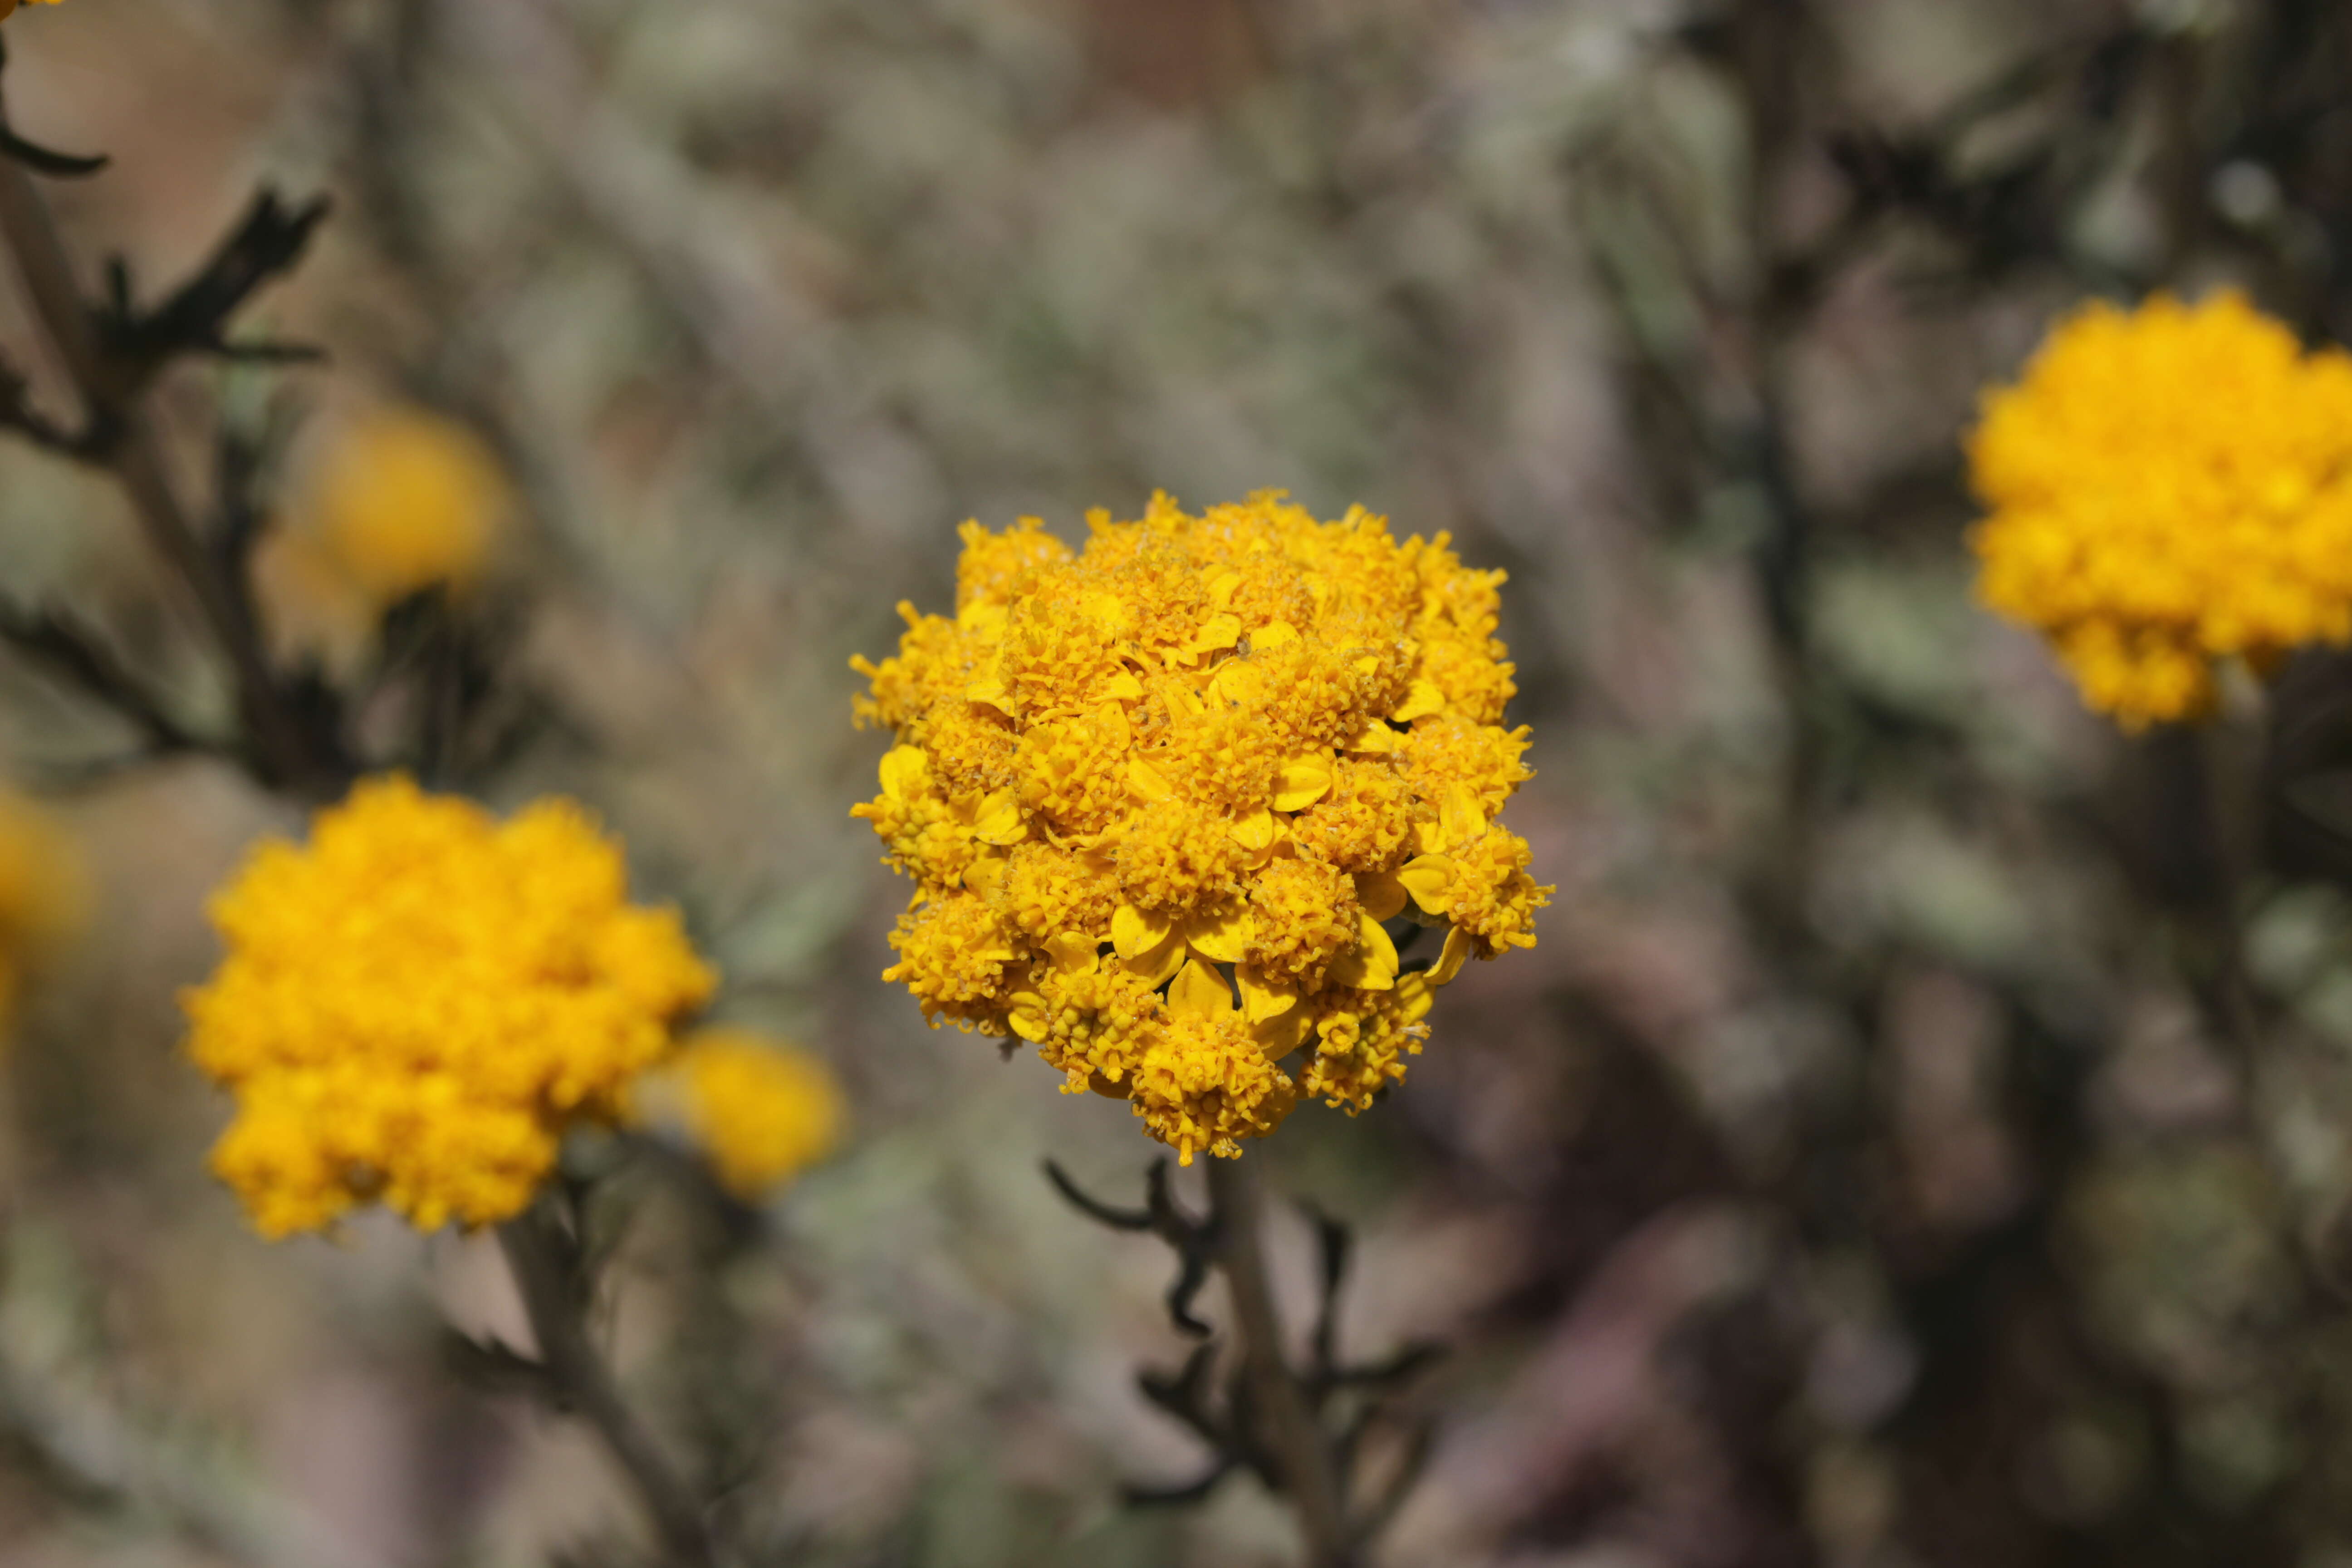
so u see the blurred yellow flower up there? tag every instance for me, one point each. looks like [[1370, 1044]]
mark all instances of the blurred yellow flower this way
[[417, 1005], [405, 499], [2169, 487], [397, 501], [763, 1111], [41, 892], [1159, 796], [7, 6]]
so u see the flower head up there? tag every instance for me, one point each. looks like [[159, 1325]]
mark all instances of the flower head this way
[[397, 502], [2169, 487], [404, 498], [41, 894], [1159, 796], [417, 1005], [763, 1111]]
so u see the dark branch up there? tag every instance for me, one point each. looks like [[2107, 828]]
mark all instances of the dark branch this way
[[46, 161], [1194, 1241], [67, 651], [266, 244]]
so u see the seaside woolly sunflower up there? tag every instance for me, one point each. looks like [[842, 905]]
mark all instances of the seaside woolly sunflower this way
[[417, 1004], [2169, 487], [761, 1110], [1160, 797]]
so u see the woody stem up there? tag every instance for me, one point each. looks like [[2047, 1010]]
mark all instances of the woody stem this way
[[557, 1306], [125, 441], [1302, 1456]]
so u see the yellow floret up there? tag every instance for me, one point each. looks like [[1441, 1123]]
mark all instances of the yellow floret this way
[[763, 1111], [1156, 796], [415, 1004], [2168, 488]]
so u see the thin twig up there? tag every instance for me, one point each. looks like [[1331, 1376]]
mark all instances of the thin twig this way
[[1301, 1451], [134, 455], [558, 1310]]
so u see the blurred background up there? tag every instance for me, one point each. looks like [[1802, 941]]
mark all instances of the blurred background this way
[[1856, 1172]]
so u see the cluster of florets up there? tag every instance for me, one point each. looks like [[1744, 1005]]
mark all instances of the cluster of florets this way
[[2169, 487], [417, 1003], [761, 1110], [1162, 798], [394, 501]]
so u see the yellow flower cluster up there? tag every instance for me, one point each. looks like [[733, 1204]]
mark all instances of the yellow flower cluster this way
[[761, 1110], [2169, 487], [399, 499], [405, 499], [417, 1005], [41, 892], [1161, 796]]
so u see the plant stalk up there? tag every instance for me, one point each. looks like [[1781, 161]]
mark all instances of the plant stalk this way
[[583, 1382], [133, 454], [1301, 1454]]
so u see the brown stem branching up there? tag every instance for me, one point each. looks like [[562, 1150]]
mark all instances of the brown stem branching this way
[[545, 1260], [120, 435], [1301, 1453]]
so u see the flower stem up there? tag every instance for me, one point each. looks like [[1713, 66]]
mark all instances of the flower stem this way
[[581, 1380], [1301, 1454], [132, 453]]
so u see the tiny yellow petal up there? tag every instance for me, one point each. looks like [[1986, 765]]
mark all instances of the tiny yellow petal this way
[[1223, 939], [991, 692], [1375, 739], [998, 820], [1221, 588], [1422, 699], [1283, 1033], [1380, 894], [1302, 782], [1160, 963], [1124, 686], [1073, 951], [1147, 783], [1110, 611], [1372, 966], [1028, 1015], [1199, 991], [1255, 832], [1134, 933], [1219, 631], [1263, 998], [1413, 990], [904, 769], [1274, 633], [1427, 880], [1460, 814], [1458, 947], [983, 617]]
